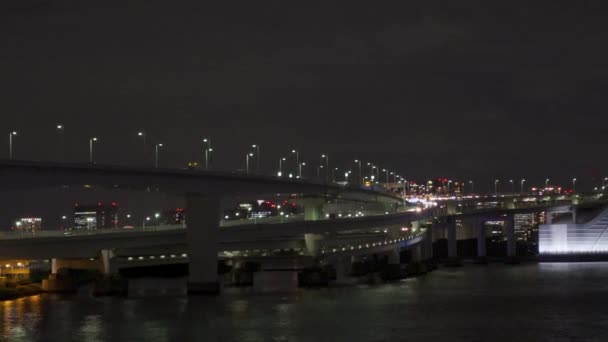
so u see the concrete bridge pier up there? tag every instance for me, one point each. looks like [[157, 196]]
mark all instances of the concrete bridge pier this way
[[509, 231], [416, 253], [202, 232], [481, 242], [428, 243], [453, 259]]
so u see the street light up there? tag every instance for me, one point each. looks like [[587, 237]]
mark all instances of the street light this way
[[333, 174], [319, 171], [573, 184], [60, 128], [326, 166], [448, 189], [144, 222], [247, 162], [10, 144], [257, 163], [208, 149], [546, 183], [91, 141], [386, 173], [522, 185], [512, 186], [496, 187], [156, 147], [300, 169], [359, 163], [472, 186], [297, 157], [281, 160]]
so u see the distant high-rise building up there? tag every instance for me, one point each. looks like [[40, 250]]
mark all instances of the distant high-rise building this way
[[100, 216], [29, 224]]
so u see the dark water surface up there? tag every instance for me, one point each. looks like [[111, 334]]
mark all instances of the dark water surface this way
[[534, 302]]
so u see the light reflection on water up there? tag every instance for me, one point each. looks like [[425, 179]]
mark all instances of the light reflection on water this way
[[546, 302]]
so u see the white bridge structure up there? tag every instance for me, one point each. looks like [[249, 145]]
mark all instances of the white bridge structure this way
[[571, 238]]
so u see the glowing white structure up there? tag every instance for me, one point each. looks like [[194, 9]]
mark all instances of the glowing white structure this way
[[571, 238]]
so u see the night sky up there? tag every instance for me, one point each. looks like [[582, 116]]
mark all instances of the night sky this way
[[464, 90]]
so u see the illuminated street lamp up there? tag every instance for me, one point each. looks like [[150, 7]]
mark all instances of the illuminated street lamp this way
[[386, 173], [358, 161], [326, 157], [257, 157], [573, 184], [333, 174], [10, 144], [522, 185], [91, 141], [208, 151], [496, 187], [448, 188], [281, 160], [156, 147], [297, 154], [300, 169], [546, 183], [147, 219], [60, 129], [512, 186], [319, 171], [472, 186], [247, 162]]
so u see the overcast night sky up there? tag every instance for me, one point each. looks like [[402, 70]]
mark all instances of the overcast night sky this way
[[466, 90]]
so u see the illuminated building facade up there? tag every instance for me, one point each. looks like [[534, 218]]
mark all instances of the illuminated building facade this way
[[28, 224], [575, 239], [100, 216]]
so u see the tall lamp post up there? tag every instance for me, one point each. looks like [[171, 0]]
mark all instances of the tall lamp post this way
[[91, 141], [281, 160], [156, 148], [300, 169], [512, 186], [60, 128], [472, 186], [573, 185], [208, 150], [257, 157], [496, 187], [142, 135], [297, 154], [247, 162], [319, 171], [546, 183], [522, 185], [10, 144], [360, 179], [326, 157]]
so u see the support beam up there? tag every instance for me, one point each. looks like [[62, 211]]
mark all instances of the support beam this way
[[452, 242], [202, 232], [481, 241], [509, 231], [428, 242], [106, 256], [393, 257], [416, 253]]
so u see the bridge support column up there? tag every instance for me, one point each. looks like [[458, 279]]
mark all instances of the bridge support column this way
[[106, 256], [453, 259], [313, 245], [428, 243], [313, 209], [393, 257], [481, 242], [202, 232], [509, 230], [54, 266], [416, 253]]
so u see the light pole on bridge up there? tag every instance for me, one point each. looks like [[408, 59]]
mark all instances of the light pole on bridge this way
[[522, 185], [257, 157], [91, 141], [208, 150], [156, 148], [573, 185], [247, 162], [496, 187], [472, 186], [360, 178], [326, 157], [10, 144]]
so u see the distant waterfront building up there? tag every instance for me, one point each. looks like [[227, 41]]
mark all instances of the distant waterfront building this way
[[100, 216], [174, 216], [29, 224]]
